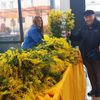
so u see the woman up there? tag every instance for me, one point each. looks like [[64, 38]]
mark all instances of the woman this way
[[34, 35]]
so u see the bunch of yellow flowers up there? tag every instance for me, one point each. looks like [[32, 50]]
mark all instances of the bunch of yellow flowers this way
[[25, 74], [55, 22], [69, 18], [60, 21]]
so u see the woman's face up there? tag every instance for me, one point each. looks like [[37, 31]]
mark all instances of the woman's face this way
[[39, 22]]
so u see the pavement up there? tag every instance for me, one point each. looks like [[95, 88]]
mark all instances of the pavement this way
[[89, 89]]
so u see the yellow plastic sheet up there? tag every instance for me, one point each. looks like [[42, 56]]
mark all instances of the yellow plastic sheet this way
[[71, 87]]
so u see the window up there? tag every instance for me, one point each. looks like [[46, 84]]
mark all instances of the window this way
[[3, 4], [11, 4], [93, 5], [32, 2], [9, 23], [16, 16]]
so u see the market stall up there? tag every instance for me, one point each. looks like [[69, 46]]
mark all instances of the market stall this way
[[51, 71]]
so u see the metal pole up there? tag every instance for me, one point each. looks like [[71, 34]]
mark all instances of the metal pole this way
[[20, 20]]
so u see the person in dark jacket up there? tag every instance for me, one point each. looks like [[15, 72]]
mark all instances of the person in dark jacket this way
[[34, 35], [89, 44]]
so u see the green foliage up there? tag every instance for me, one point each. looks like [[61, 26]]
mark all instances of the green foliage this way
[[69, 19], [55, 23], [56, 19]]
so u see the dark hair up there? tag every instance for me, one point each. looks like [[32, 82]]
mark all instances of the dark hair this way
[[35, 22]]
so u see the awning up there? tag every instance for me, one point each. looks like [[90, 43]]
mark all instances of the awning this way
[[30, 11]]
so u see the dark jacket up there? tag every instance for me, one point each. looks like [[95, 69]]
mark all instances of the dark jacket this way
[[33, 37], [89, 41]]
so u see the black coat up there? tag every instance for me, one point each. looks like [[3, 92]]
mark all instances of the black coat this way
[[89, 41]]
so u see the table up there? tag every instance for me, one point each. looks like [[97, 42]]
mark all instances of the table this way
[[71, 87]]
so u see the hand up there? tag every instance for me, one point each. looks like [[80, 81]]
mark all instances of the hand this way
[[68, 33], [99, 48]]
